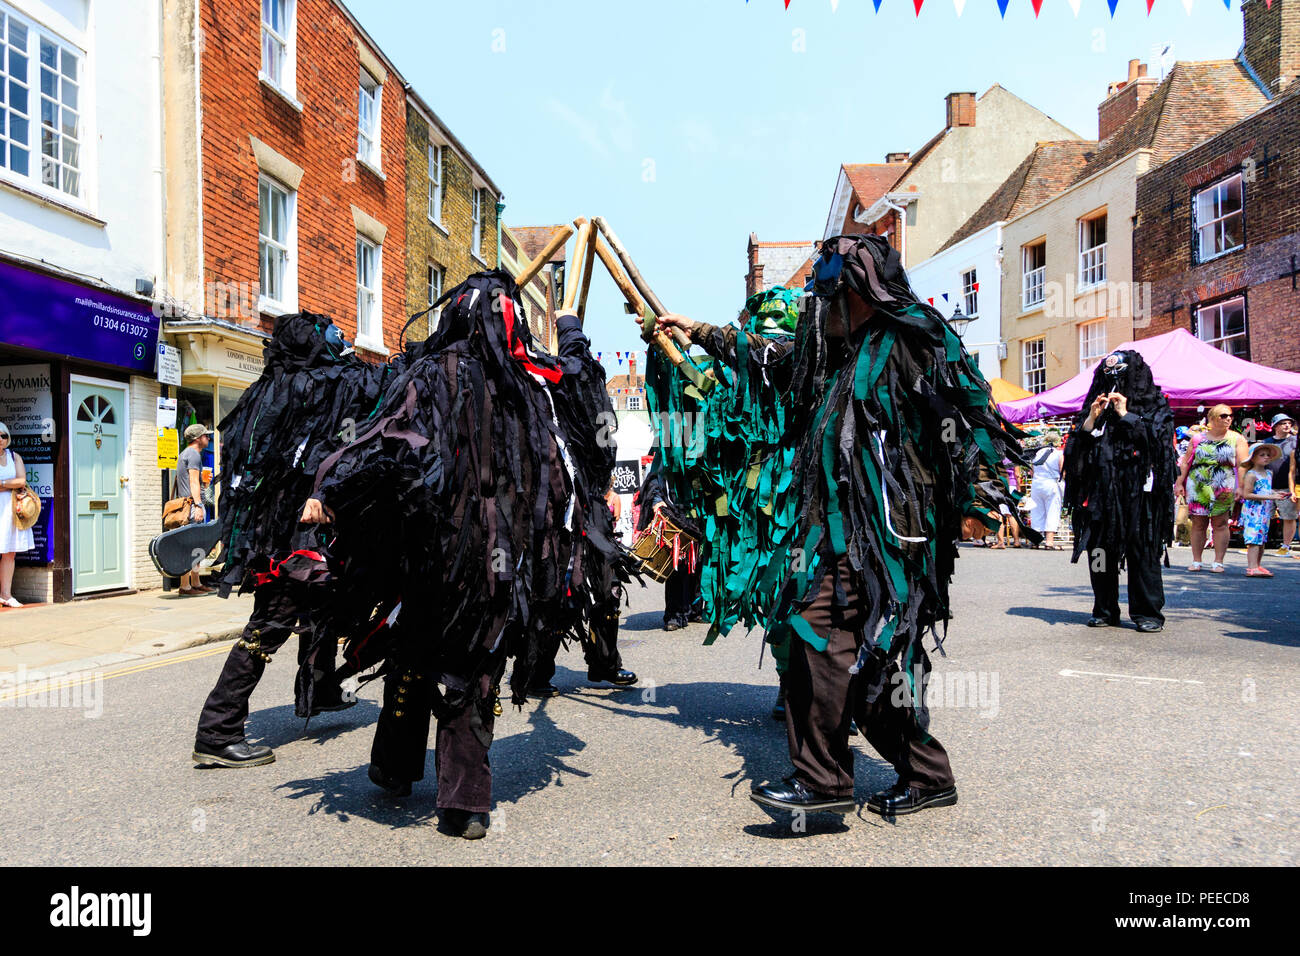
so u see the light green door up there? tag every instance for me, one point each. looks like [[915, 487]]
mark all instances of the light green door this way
[[97, 424]]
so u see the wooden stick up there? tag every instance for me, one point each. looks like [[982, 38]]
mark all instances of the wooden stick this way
[[571, 279], [620, 280], [557, 241], [588, 263], [658, 338], [643, 287]]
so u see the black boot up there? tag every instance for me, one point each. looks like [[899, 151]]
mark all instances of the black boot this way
[[240, 754], [462, 823]]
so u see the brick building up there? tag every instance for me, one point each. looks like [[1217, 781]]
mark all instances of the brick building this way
[[548, 286], [1068, 271], [536, 295], [628, 392], [451, 211], [1218, 234], [776, 263], [920, 199], [297, 197]]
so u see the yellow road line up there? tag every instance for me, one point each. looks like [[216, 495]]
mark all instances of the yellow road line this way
[[47, 685]]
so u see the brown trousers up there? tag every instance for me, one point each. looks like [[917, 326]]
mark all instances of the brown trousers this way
[[820, 695]]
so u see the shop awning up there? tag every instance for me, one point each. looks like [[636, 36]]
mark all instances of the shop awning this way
[[1004, 391], [1190, 373]]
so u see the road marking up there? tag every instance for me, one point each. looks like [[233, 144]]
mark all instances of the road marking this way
[[1133, 677], [47, 685]]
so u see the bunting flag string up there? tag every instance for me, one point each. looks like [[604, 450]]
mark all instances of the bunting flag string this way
[[960, 6]]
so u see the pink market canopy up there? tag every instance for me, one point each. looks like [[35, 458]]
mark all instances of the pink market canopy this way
[[1189, 372]]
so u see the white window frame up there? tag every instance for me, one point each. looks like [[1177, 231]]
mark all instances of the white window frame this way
[[1092, 259], [634, 403], [1033, 378], [32, 181], [437, 172], [1033, 282], [1092, 347], [368, 139], [287, 81], [370, 299], [1215, 223], [1214, 313], [288, 301], [970, 296], [435, 277], [476, 222]]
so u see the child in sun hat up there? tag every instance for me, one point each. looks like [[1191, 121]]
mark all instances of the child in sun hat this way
[[1257, 508]]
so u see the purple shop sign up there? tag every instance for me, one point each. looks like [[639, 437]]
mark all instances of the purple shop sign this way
[[39, 311]]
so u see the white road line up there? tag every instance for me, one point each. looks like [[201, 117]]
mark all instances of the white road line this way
[[1133, 677]]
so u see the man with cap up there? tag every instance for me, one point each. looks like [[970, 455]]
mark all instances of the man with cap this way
[[189, 468], [1283, 469]]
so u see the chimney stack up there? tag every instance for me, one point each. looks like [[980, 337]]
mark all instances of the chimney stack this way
[[631, 369], [961, 109], [897, 157], [1124, 98], [1272, 42]]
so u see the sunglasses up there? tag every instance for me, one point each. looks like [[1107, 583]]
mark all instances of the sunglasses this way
[[1224, 415]]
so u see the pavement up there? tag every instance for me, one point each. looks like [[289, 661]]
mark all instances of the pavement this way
[[1071, 746], [100, 632]]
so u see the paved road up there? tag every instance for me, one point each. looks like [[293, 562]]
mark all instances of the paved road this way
[[1086, 747]]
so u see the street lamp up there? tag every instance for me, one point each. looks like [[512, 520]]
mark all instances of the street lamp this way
[[959, 322]]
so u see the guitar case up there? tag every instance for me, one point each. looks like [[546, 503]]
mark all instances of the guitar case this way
[[177, 551]]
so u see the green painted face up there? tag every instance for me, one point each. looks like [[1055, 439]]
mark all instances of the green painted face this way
[[774, 312]]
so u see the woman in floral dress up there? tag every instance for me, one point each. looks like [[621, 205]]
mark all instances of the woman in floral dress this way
[[1209, 482]]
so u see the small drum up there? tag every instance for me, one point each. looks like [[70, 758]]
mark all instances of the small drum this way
[[664, 545]]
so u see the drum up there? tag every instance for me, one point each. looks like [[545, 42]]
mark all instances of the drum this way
[[664, 545]]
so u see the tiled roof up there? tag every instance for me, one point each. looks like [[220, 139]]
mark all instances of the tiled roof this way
[[870, 181], [1046, 171], [1196, 101], [533, 240]]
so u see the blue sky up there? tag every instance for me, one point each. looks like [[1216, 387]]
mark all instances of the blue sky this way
[[689, 125]]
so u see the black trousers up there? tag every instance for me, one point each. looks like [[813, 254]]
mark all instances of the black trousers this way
[[820, 697], [461, 743], [600, 649], [680, 592], [1146, 587], [280, 607]]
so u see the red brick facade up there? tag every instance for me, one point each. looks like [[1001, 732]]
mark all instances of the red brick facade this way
[[1265, 150], [321, 138]]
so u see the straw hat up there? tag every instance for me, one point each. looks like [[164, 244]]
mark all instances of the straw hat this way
[[27, 509]]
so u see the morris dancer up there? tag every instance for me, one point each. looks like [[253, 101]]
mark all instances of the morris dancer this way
[[469, 494], [1119, 481], [889, 419], [310, 391]]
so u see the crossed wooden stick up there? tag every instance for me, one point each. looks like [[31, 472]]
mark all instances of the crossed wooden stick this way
[[595, 239]]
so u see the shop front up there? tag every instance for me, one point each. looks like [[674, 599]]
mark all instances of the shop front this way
[[76, 379], [218, 361]]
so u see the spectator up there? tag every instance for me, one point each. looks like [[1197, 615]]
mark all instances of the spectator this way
[[1045, 491], [12, 538], [1208, 480], [1257, 508], [189, 484], [1284, 437]]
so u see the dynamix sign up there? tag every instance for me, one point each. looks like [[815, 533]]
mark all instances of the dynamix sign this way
[[39, 311]]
